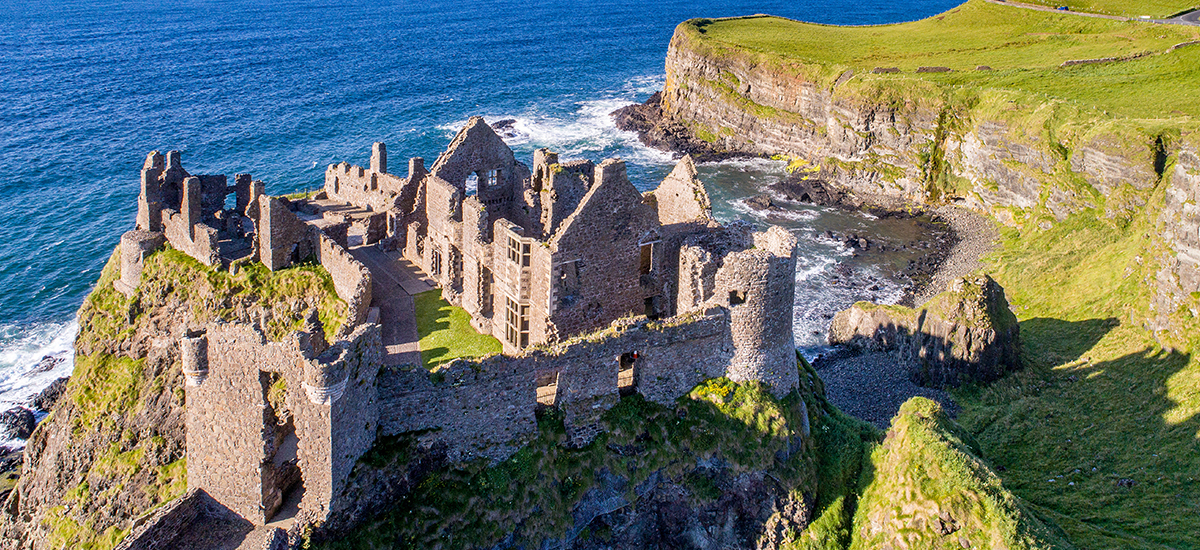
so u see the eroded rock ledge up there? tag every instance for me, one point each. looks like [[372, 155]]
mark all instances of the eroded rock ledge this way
[[966, 333]]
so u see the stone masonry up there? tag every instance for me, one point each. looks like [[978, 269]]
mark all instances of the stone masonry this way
[[596, 290]]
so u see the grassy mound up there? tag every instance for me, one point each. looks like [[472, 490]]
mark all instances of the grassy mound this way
[[930, 489], [446, 333]]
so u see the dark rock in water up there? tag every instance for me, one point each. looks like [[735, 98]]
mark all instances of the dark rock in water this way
[[45, 400], [760, 202], [656, 131], [17, 422], [506, 128], [48, 363]]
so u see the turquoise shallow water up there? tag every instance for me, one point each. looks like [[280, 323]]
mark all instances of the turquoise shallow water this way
[[280, 90]]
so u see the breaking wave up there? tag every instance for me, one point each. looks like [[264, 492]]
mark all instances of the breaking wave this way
[[31, 357]]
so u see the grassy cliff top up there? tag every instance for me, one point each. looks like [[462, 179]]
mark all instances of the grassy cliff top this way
[[1024, 47]]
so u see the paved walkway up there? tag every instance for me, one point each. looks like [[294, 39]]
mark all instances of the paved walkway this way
[[1191, 18], [394, 282]]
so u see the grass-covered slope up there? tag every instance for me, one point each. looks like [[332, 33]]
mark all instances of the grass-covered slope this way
[[1024, 47], [113, 448], [1101, 431], [929, 488]]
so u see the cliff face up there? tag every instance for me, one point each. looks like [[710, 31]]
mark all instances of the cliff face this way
[[113, 447], [1027, 160]]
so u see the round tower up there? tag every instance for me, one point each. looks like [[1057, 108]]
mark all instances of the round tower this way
[[758, 285]]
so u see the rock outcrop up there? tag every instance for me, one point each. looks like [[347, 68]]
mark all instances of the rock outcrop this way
[[964, 334]]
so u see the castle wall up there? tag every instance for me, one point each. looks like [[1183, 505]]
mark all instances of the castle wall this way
[[487, 408], [601, 239], [197, 240], [351, 279], [763, 280], [379, 191], [135, 246], [280, 234], [239, 445]]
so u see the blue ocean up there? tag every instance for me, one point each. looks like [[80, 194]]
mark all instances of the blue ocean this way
[[282, 89]]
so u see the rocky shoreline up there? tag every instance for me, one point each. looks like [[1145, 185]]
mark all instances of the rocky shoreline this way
[[868, 386]]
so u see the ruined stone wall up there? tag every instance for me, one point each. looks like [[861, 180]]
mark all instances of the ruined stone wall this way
[[233, 445], [443, 211], [280, 234], [367, 188], [752, 274], [135, 246], [600, 241], [487, 408], [762, 279], [351, 279], [197, 240]]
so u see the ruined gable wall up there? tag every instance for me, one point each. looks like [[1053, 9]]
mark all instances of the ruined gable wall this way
[[601, 237], [487, 408], [681, 197]]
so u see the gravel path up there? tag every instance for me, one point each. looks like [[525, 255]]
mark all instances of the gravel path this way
[[977, 236], [872, 386]]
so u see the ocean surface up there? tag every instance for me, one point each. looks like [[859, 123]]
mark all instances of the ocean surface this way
[[282, 89]]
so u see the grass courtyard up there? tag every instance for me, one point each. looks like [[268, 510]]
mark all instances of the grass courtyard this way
[[445, 332]]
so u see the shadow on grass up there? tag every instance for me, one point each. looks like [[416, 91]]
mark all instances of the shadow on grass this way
[[1099, 432], [1049, 341]]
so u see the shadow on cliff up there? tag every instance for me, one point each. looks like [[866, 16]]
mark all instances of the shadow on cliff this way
[[1100, 432]]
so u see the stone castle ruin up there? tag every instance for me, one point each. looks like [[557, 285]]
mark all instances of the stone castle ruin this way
[[595, 289]]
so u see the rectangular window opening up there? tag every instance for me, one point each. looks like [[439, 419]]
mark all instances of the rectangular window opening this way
[[547, 390], [736, 297], [514, 250], [525, 255], [435, 262], [626, 380], [493, 177], [647, 263]]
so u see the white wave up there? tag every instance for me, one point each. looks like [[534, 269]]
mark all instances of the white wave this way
[[22, 348], [586, 131]]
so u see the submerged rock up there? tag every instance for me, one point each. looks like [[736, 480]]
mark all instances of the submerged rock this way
[[45, 400], [17, 422], [963, 334]]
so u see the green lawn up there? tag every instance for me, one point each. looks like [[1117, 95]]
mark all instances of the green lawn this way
[[1024, 47], [446, 332]]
